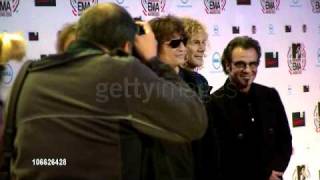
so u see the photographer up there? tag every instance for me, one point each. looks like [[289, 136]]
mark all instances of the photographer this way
[[93, 106]]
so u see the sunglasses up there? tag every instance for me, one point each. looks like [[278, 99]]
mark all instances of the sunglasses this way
[[176, 42]]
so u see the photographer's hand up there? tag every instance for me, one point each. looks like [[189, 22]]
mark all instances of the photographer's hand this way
[[146, 44]]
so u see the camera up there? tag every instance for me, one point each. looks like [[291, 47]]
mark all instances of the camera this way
[[140, 29]]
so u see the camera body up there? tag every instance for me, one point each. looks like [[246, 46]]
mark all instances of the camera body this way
[[140, 29]]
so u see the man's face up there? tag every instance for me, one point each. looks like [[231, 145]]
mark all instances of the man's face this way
[[243, 68], [173, 52], [196, 47]]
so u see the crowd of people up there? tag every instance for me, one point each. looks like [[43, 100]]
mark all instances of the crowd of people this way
[[95, 111]]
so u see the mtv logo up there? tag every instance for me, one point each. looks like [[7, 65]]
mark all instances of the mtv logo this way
[[271, 59], [243, 2], [45, 2], [287, 28], [253, 29], [235, 29], [304, 28], [33, 36], [297, 119], [306, 88]]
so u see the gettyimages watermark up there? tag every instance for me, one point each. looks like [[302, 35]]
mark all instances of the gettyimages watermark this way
[[143, 91]]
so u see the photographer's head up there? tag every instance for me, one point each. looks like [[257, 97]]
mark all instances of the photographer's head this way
[[109, 25]]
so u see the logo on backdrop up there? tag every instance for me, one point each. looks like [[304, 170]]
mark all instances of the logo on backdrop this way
[[78, 6], [298, 119], [315, 6], [306, 88], [301, 172], [304, 28], [270, 6], [216, 62], [8, 7], [153, 7], [243, 2], [120, 2], [216, 31], [33, 36], [214, 6], [235, 29], [296, 58], [318, 57], [316, 116], [253, 29], [184, 4], [287, 28], [7, 74], [271, 59], [271, 29], [45, 2], [295, 3]]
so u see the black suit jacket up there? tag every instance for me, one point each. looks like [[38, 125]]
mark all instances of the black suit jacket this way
[[248, 135]]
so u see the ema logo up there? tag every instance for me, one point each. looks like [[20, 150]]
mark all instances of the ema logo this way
[[315, 6], [271, 59], [214, 6], [296, 58], [8, 7], [7, 74], [298, 120], [270, 6], [153, 7], [78, 6], [316, 116], [216, 62]]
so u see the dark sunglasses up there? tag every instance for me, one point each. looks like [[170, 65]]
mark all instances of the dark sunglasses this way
[[176, 42]]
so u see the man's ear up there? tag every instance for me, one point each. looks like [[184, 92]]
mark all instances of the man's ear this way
[[127, 47]]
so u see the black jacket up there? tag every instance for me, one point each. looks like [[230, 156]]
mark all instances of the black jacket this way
[[95, 111], [248, 135]]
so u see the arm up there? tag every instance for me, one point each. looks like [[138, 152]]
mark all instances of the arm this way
[[165, 107], [283, 136]]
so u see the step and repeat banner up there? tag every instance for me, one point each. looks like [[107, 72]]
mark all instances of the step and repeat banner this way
[[288, 30]]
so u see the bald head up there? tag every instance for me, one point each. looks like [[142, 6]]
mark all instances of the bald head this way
[[107, 24]]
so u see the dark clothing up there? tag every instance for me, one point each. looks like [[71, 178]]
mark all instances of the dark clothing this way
[[196, 82], [98, 112], [248, 134], [176, 161]]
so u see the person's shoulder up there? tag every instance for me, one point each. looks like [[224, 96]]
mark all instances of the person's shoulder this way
[[263, 90]]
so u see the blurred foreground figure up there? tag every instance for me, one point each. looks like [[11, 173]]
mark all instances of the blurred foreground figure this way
[[94, 106], [65, 37], [12, 47]]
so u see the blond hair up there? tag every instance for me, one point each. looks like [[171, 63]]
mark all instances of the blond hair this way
[[193, 26], [12, 47]]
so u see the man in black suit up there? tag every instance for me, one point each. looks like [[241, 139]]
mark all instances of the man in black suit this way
[[248, 135]]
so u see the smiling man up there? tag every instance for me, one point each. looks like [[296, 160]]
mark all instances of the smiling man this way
[[248, 135]]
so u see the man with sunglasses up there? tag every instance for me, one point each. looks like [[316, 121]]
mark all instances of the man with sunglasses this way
[[173, 161], [248, 135]]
